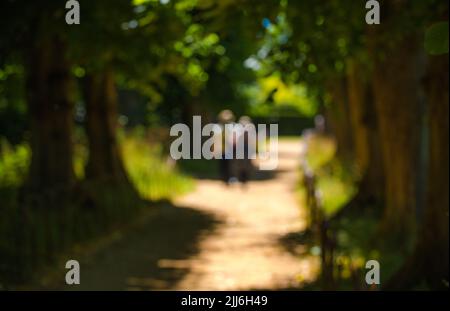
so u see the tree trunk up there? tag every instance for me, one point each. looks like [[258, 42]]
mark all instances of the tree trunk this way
[[105, 160], [357, 87], [364, 133], [433, 241], [51, 117], [429, 261], [339, 119], [398, 100]]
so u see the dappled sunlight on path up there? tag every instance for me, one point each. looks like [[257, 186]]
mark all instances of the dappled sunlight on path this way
[[215, 238], [244, 251]]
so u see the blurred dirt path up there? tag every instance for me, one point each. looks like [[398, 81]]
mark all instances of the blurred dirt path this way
[[244, 252], [215, 238]]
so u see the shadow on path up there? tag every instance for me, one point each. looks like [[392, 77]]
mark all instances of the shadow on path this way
[[141, 259], [214, 238], [252, 247]]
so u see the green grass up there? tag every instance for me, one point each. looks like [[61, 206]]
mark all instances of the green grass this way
[[152, 174], [33, 233], [14, 164], [321, 151], [336, 193], [356, 231], [357, 243], [334, 180]]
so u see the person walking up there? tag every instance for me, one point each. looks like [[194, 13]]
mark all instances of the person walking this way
[[227, 151], [246, 139]]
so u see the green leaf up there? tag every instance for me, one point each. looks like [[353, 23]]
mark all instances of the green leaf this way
[[436, 39]]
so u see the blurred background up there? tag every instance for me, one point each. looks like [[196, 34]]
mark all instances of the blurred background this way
[[85, 114]]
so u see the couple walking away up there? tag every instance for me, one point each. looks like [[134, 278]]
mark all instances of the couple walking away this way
[[232, 169]]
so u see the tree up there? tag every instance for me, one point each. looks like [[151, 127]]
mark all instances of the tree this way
[[429, 259], [48, 91], [364, 131], [398, 70], [94, 54], [100, 95], [50, 108], [328, 49]]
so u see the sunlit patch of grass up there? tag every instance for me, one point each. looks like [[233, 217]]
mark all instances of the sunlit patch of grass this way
[[154, 177], [334, 181], [14, 162], [321, 150], [355, 231], [80, 159], [335, 193]]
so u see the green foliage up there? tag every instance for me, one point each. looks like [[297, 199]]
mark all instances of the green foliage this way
[[334, 179], [310, 41], [12, 102], [436, 39], [33, 239], [14, 162], [355, 230], [321, 151], [336, 188], [271, 96], [358, 240], [152, 176]]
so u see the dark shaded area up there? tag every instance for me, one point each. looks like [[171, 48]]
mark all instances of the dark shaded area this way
[[136, 260], [297, 243]]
